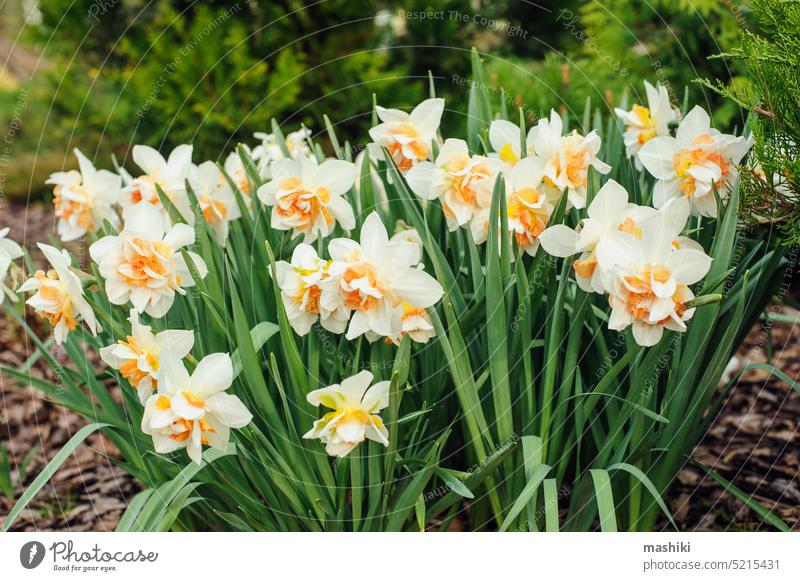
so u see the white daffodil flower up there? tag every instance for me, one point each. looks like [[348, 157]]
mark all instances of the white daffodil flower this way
[[237, 172], [9, 251], [269, 150], [309, 198], [375, 277], [408, 236], [609, 211], [144, 264], [506, 142], [83, 199], [303, 297], [464, 183], [169, 174], [694, 163], [59, 295], [137, 357], [415, 323], [354, 417], [530, 202], [651, 278], [407, 136], [192, 411], [567, 157], [644, 123], [215, 197]]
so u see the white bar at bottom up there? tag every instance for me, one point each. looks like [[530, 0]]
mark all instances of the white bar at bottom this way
[[399, 556]]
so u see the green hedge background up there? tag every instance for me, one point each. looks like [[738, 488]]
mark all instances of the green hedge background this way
[[103, 75]]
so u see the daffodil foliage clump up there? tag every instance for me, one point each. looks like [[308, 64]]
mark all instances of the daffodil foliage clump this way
[[523, 328]]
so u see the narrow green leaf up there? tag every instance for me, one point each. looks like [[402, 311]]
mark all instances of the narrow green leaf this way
[[47, 473]]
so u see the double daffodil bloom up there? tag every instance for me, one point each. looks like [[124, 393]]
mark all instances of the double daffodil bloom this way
[[215, 197], [694, 163], [192, 411], [530, 203], [59, 295], [644, 123], [303, 296], [137, 357], [609, 211], [407, 136], [354, 417], [169, 174], [374, 278], [308, 198], [567, 158], [464, 184], [237, 172], [651, 277], [83, 199], [144, 264]]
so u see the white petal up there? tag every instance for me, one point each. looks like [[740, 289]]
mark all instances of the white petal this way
[[214, 373], [427, 115], [147, 158], [420, 180], [229, 410], [179, 235], [177, 342], [688, 266], [657, 157], [356, 385], [373, 233], [418, 288], [559, 240]]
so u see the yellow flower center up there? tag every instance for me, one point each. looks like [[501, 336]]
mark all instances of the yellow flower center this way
[[507, 154], [646, 125]]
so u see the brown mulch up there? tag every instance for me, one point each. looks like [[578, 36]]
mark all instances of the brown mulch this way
[[753, 442], [88, 493]]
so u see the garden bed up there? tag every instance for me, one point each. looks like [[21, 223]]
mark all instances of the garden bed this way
[[749, 443]]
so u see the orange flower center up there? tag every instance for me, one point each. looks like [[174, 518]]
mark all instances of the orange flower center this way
[[50, 290], [214, 210], [638, 302], [130, 369], [685, 159], [585, 268], [302, 206], [354, 299], [66, 209], [533, 220], [138, 194], [629, 226], [148, 261]]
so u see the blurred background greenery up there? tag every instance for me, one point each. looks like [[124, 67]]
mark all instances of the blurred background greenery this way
[[103, 75]]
